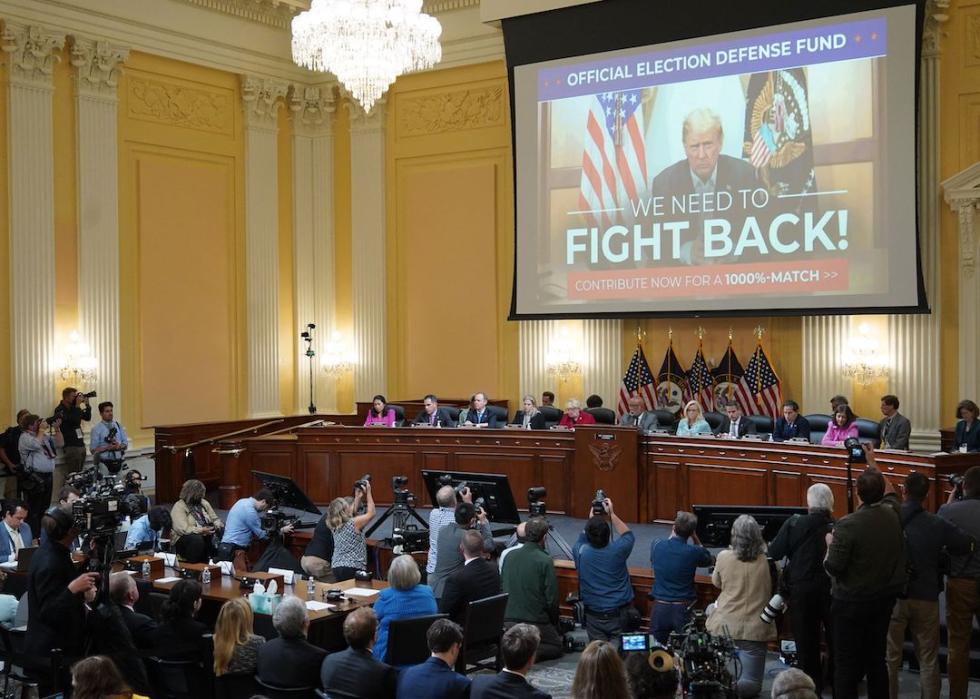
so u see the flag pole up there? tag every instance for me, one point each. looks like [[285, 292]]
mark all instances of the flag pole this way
[[758, 375], [670, 353], [731, 332]]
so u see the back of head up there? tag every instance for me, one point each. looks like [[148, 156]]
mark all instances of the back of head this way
[[180, 603], [159, 518], [403, 573], [747, 541], [265, 495], [793, 684], [536, 529], [232, 629], [599, 673], [465, 512], [819, 496], [97, 677], [290, 618], [360, 626], [597, 532], [685, 524], [446, 496], [472, 544], [519, 644], [442, 635], [337, 513], [646, 682], [120, 585], [971, 482], [57, 522], [870, 487], [916, 486], [593, 401]]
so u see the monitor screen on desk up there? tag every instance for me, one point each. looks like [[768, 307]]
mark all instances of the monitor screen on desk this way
[[494, 488], [715, 521]]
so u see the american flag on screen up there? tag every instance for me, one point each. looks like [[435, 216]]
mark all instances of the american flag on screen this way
[[700, 382], [638, 381], [730, 383], [764, 384], [614, 167]]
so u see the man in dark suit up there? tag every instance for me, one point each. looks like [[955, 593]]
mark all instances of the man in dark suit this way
[[733, 425], [477, 579], [791, 425], [435, 678], [125, 593], [354, 672], [638, 416], [478, 415], [518, 647], [432, 415], [895, 429], [290, 661]]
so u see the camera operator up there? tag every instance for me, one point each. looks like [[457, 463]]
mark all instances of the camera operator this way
[[675, 563], [73, 408], [867, 565], [604, 581], [10, 455], [962, 595], [466, 517], [145, 532], [38, 451], [108, 440], [244, 523], [442, 515], [802, 539]]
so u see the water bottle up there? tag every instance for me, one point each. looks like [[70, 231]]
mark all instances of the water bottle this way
[[311, 587], [206, 576], [145, 569]]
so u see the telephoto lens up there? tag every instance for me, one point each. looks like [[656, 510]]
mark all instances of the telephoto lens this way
[[772, 609]]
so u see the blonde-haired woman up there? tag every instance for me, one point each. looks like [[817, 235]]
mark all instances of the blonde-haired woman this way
[[693, 421], [529, 417], [349, 547], [402, 599], [194, 524], [236, 648], [600, 674]]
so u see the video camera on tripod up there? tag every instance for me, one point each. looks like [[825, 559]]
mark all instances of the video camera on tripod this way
[[103, 504], [704, 659], [405, 537]]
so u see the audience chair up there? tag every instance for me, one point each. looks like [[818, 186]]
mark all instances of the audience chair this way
[[603, 416], [819, 422], [234, 685], [406, 640], [482, 629], [176, 679], [12, 658], [273, 692]]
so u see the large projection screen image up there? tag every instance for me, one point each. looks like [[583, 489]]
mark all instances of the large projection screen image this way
[[770, 170]]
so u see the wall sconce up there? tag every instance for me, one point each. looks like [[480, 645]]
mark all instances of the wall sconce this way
[[563, 357], [338, 357], [862, 361], [78, 366]]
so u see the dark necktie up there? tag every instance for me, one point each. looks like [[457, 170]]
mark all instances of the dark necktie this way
[[432, 419]]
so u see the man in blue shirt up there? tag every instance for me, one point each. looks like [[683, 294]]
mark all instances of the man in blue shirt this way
[[108, 440], [604, 581], [674, 564], [244, 523], [435, 678], [147, 529]]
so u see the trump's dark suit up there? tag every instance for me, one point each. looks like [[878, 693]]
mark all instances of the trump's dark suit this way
[[733, 174]]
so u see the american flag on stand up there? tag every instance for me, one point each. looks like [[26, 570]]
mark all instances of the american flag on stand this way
[[763, 146], [764, 384], [638, 381], [614, 166], [730, 384], [700, 382]]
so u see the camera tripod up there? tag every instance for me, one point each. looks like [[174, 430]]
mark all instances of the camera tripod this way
[[556, 539], [400, 512]]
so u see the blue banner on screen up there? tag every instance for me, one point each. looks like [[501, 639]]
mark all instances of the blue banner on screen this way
[[769, 170]]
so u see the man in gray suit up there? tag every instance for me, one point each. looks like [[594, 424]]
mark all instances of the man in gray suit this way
[[894, 428], [449, 558], [638, 416]]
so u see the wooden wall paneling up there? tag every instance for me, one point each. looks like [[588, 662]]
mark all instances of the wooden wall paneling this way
[[715, 484], [667, 491], [382, 465], [320, 477], [787, 488]]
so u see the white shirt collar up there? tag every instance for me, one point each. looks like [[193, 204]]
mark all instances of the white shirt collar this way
[[700, 184]]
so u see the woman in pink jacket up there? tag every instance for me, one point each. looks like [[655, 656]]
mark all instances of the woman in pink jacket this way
[[841, 427]]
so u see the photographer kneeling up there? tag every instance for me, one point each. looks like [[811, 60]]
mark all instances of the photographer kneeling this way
[[244, 523]]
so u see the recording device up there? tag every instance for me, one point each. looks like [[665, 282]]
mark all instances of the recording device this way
[[773, 608], [409, 539], [598, 506], [480, 505], [956, 480], [536, 506], [90, 394], [104, 502], [704, 659], [635, 642], [363, 482], [855, 452], [274, 519], [335, 595]]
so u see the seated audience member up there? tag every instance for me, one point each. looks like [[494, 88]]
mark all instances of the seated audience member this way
[[532, 589], [125, 593], [518, 647], [742, 575], [179, 634], [244, 526], [638, 416], [593, 401], [236, 648], [841, 427], [379, 413], [108, 631], [477, 579], [145, 532], [529, 417], [16, 532], [404, 598], [347, 528], [319, 553], [793, 684], [290, 661], [693, 421], [791, 425], [432, 415], [435, 678], [195, 527], [519, 540], [894, 428], [967, 437], [439, 518], [66, 496], [604, 581], [548, 398], [836, 402], [675, 563], [355, 672], [574, 416], [478, 415], [97, 677], [450, 536], [646, 682], [600, 674], [802, 541], [732, 425]]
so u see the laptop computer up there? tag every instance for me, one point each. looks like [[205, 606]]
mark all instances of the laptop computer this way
[[24, 557]]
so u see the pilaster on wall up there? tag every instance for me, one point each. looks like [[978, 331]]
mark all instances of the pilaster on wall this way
[[313, 234], [603, 370], [367, 173], [261, 100], [30, 53], [97, 68]]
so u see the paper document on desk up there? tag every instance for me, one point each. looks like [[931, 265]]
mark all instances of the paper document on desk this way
[[315, 606], [287, 575], [169, 559], [9, 565], [360, 592], [172, 578]]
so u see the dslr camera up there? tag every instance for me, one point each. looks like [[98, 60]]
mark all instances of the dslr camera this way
[[362, 482], [855, 451], [956, 480], [598, 507]]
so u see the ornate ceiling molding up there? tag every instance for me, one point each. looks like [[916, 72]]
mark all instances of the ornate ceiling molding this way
[[275, 13], [262, 98], [31, 51], [98, 65]]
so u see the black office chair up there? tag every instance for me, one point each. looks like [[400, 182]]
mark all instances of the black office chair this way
[[714, 420], [667, 420], [499, 412], [763, 424], [482, 629], [399, 414], [552, 415], [234, 685], [868, 430], [336, 694], [176, 679], [603, 416], [453, 413], [406, 640], [819, 422], [272, 692]]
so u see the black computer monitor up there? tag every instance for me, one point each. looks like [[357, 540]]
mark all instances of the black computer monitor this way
[[287, 493], [715, 521], [494, 488]]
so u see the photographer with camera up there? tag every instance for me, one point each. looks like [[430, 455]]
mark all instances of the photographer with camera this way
[[443, 514], [604, 581], [10, 455], [243, 524], [38, 451], [72, 410], [675, 563], [962, 594], [349, 547], [108, 440], [450, 560]]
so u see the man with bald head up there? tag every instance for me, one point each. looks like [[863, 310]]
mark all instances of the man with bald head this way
[[638, 416], [443, 513]]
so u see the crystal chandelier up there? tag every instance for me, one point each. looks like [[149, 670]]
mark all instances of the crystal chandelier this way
[[367, 44]]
